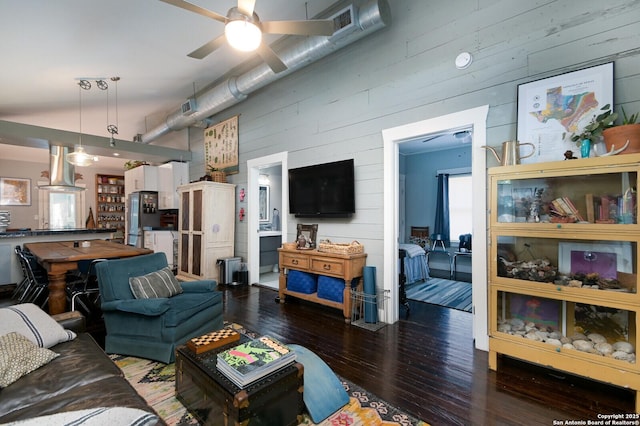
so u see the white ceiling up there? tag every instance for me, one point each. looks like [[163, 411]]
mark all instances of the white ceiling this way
[[49, 45]]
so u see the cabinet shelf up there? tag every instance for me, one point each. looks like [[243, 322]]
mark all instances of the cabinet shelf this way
[[110, 202], [563, 260]]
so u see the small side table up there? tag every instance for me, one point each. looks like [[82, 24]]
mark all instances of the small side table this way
[[454, 268]]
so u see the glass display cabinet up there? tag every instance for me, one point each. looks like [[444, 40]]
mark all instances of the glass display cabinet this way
[[563, 259]]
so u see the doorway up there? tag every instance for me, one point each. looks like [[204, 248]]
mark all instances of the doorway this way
[[268, 189], [475, 119]]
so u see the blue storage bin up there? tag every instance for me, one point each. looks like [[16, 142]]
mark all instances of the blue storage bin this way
[[302, 282], [332, 288]]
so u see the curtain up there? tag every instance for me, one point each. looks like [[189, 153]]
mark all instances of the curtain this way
[[442, 210]]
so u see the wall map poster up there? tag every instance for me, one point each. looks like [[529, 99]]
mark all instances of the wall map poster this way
[[552, 109], [221, 146]]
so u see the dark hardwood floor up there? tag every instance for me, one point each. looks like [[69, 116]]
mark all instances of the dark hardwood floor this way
[[426, 364]]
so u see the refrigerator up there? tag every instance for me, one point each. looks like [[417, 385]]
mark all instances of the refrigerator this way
[[142, 214], [165, 242]]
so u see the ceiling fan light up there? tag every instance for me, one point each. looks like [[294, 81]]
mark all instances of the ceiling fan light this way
[[243, 35], [79, 157]]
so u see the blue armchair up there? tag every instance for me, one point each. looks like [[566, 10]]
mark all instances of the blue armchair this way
[[152, 328]]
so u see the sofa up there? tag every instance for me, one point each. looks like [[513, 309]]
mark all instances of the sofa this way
[[148, 313], [79, 380]]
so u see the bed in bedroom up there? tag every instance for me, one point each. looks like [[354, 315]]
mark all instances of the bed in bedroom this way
[[415, 263]]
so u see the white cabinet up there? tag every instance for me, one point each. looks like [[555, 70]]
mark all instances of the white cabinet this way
[[170, 176], [142, 178], [165, 242], [206, 227]]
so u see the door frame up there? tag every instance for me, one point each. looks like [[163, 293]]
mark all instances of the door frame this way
[[253, 221], [476, 118]]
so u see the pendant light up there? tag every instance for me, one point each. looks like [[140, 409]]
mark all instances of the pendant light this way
[[79, 157], [113, 128]]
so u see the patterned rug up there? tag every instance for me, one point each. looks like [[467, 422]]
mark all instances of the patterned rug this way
[[443, 292], [155, 382]]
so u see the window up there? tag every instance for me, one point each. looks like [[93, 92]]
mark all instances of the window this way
[[460, 208], [61, 209]]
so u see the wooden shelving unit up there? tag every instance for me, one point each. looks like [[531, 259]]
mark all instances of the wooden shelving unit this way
[[558, 286], [110, 202]]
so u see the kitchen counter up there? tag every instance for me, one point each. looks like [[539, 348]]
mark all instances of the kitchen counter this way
[[9, 264], [20, 233]]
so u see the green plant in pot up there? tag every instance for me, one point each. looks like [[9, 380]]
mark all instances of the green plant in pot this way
[[626, 135], [593, 131]]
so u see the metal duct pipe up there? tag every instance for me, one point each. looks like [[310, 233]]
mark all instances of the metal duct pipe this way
[[366, 18]]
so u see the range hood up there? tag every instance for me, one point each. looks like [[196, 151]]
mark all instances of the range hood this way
[[61, 172]]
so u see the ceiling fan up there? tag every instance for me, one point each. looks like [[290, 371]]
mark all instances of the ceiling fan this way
[[243, 30]]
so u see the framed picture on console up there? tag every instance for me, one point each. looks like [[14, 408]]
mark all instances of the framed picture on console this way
[[551, 109], [306, 236]]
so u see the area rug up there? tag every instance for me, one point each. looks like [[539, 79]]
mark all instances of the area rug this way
[[443, 292], [155, 382]]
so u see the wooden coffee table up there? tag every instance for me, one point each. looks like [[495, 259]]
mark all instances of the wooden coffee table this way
[[214, 400]]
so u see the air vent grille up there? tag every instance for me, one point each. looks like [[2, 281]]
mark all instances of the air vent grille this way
[[343, 20]]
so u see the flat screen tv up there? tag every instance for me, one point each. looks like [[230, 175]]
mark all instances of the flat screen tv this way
[[322, 190]]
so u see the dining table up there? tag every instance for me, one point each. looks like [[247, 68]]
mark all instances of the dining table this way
[[59, 257]]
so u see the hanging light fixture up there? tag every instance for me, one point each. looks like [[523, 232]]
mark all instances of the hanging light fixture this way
[[113, 128], [241, 31], [79, 157]]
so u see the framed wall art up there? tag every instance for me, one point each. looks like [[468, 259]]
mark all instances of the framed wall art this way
[[541, 311], [221, 146], [550, 110], [605, 258], [15, 192]]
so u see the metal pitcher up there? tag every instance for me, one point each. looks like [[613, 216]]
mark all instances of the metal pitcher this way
[[511, 152]]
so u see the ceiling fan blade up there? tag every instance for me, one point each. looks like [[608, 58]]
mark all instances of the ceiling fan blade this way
[[246, 6], [207, 48], [270, 57], [311, 27], [196, 9]]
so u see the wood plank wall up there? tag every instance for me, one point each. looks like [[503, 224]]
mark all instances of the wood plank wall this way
[[336, 108]]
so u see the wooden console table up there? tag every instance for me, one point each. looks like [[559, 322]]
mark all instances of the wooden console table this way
[[343, 266]]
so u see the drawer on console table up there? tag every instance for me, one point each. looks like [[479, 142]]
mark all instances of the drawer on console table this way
[[295, 261], [327, 266]]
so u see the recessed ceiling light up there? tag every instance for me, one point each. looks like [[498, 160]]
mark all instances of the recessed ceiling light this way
[[116, 154]]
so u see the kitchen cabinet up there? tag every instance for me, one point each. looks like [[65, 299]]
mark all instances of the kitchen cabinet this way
[[206, 228], [110, 201], [141, 178], [269, 245], [170, 176], [563, 277]]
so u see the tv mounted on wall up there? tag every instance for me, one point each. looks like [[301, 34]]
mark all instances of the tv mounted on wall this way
[[322, 190]]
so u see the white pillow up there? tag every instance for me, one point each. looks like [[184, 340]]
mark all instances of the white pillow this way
[[33, 323], [101, 416]]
